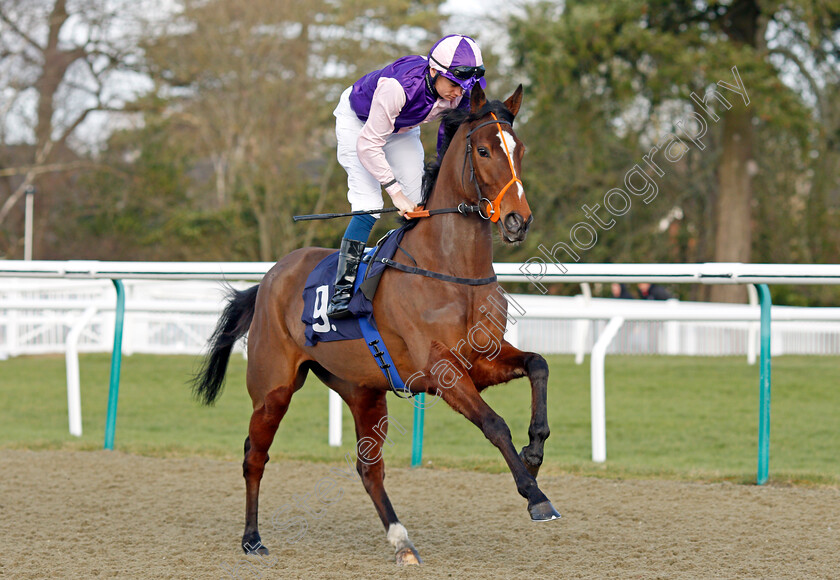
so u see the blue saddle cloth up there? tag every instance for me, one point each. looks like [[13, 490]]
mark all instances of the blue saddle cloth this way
[[319, 289], [316, 297]]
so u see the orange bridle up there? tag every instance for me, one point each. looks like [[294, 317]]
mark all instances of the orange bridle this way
[[493, 207]]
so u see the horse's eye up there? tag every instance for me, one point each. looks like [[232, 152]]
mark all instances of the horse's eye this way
[[483, 152]]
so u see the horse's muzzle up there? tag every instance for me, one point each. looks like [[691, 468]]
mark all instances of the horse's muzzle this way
[[515, 227]]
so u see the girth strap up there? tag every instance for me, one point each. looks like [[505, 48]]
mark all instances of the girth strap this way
[[436, 275]]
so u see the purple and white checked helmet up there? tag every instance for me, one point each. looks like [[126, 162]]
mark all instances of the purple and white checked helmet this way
[[458, 58]]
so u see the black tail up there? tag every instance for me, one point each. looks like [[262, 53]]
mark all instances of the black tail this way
[[234, 323]]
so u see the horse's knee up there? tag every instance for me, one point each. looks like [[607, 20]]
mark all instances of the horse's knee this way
[[496, 430], [369, 468], [539, 433], [254, 464], [537, 367]]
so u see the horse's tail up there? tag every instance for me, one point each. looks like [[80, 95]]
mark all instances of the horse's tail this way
[[234, 323]]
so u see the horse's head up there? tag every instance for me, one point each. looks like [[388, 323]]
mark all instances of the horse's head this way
[[494, 154]]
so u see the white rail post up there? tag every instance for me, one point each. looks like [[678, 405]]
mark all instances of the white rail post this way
[[335, 419], [71, 357], [13, 328], [598, 404], [582, 325], [512, 330], [672, 330], [27, 223]]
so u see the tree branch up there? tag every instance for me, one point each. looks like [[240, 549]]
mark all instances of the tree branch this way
[[790, 55], [75, 124], [19, 32], [30, 173], [15, 197], [34, 170]]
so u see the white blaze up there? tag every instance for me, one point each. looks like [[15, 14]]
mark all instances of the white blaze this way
[[509, 145]]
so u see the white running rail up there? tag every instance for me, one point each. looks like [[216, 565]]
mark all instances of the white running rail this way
[[43, 316]]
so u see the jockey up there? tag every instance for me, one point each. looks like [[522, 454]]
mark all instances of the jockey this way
[[377, 127]]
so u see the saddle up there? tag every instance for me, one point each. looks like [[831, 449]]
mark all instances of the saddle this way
[[319, 288]]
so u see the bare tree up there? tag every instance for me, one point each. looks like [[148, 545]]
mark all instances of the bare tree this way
[[252, 86], [60, 62]]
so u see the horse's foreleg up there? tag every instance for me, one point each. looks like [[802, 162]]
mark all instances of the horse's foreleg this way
[[463, 396], [370, 413], [511, 363], [538, 431], [264, 422]]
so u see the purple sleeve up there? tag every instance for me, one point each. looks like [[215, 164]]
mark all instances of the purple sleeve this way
[[441, 134]]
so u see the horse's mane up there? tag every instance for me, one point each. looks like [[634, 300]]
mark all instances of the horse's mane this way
[[452, 120]]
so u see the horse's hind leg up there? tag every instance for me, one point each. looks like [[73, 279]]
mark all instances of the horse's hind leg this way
[[264, 422], [370, 413]]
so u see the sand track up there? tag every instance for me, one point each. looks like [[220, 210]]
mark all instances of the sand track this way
[[112, 515]]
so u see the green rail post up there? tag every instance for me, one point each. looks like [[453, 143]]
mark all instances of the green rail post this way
[[116, 361], [764, 387], [417, 435]]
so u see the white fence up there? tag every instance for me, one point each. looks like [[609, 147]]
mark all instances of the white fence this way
[[65, 316], [37, 316], [542, 331]]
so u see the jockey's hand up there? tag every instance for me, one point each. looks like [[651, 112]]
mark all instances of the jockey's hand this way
[[402, 203]]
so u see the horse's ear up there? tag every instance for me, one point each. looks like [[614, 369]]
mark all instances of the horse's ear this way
[[477, 98], [514, 101]]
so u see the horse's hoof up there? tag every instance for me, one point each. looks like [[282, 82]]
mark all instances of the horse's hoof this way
[[408, 557], [543, 512], [254, 548]]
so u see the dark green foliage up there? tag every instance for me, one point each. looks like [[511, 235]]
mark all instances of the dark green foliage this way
[[607, 80]]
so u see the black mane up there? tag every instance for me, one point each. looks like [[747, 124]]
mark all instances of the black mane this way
[[452, 120]]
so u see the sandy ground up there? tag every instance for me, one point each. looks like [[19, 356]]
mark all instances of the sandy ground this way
[[112, 515]]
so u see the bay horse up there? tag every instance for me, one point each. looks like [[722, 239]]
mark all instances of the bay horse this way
[[423, 321]]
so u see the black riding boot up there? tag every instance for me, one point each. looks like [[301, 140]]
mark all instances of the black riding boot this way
[[349, 257]]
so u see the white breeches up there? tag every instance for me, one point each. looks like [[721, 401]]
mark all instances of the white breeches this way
[[403, 151]]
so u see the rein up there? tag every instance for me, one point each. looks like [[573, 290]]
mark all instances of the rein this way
[[462, 209], [422, 271]]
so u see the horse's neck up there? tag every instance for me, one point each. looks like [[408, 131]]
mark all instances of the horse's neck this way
[[453, 243]]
